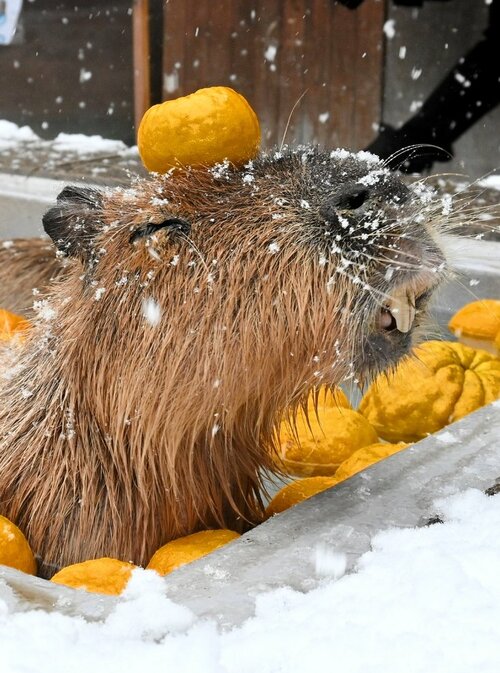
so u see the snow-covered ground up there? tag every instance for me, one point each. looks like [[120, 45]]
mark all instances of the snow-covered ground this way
[[423, 600], [11, 135]]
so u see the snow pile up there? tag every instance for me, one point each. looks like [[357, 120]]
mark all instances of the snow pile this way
[[11, 134], [490, 182], [82, 144], [423, 600]]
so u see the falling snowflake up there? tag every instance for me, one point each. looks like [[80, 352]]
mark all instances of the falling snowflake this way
[[151, 311]]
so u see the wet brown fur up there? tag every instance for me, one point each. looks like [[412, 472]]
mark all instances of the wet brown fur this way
[[27, 265], [119, 434]]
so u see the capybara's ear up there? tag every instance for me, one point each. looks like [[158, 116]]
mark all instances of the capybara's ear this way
[[173, 226], [74, 221]]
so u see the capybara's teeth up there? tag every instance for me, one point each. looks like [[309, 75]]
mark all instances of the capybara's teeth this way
[[402, 307]]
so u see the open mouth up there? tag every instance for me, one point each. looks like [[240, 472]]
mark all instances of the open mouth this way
[[400, 309]]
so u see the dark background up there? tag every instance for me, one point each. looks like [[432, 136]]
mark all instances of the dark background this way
[[71, 67]]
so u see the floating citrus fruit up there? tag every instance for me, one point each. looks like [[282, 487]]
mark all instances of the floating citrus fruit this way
[[297, 491], [189, 548], [442, 383], [11, 325], [202, 129], [366, 456], [323, 441], [102, 575], [328, 398], [477, 324], [14, 548]]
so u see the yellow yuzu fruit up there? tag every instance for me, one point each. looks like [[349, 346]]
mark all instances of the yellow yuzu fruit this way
[[478, 325], [201, 129], [366, 456], [15, 551], [297, 491], [189, 548], [479, 319], [442, 383], [328, 398], [102, 575], [323, 442], [12, 325]]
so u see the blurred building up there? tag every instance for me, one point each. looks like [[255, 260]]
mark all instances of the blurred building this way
[[315, 69]]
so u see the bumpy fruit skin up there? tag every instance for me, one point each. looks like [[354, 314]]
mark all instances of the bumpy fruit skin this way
[[12, 325], [201, 129], [324, 442], [102, 575], [480, 319], [189, 548], [297, 491], [328, 399], [478, 325], [363, 458], [442, 383], [15, 551]]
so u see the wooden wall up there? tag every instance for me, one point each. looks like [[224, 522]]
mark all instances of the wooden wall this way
[[316, 54], [70, 69]]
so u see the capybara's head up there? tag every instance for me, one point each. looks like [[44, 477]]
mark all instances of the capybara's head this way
[[194, 309], [308, 266]]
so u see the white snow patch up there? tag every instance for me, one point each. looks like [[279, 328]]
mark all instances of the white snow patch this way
[[446, 437], [11, 134], [490, 182], [447, 201], [44, 310], [390, 28], [370, 158], [423, 600], [82, 144], [323, 117], [151, 310], [270, 53]]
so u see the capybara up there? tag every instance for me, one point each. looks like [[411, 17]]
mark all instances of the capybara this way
[[194, 309]]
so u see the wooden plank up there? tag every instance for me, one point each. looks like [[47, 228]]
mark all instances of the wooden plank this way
[[141, 55], [369, 70], [294, 108], [70, 69], [175, 19], [317, 58]]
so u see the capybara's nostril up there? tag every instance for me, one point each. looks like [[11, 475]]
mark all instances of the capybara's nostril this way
[[350, 197]]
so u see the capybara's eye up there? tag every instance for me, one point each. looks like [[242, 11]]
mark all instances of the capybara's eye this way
[[175, 225]]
